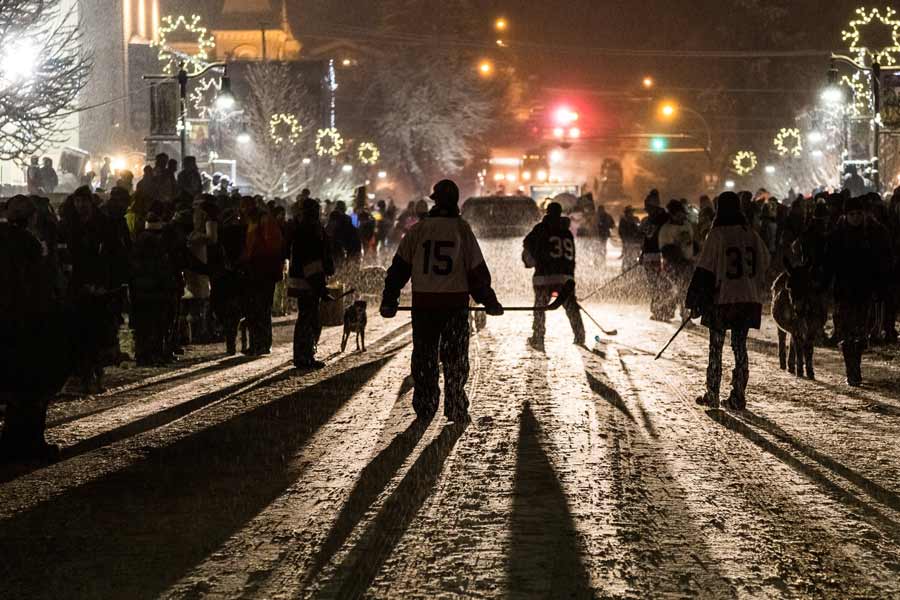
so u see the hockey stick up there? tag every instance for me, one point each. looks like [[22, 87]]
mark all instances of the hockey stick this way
[[677, 333], [561, 299], [610, 332], [341, 297], [611, 281]]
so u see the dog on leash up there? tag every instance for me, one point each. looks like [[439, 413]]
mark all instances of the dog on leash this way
[[355, 322]]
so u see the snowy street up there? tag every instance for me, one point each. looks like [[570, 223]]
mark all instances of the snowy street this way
[[584, 473]]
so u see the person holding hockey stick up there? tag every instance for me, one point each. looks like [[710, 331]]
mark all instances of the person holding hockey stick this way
[[442, 257], [550, 250], [727, 290]]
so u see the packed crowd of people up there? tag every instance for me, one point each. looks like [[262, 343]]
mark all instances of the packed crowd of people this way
[[835, 254]]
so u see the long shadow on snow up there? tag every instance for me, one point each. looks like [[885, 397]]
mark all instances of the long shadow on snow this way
[[358, 570], [645, 504], [876, 491], [135, 532], [840, 494], [373, 480], [112, 399], [545, 553]]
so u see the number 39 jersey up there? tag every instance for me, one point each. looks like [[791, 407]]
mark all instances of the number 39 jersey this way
[[738, 258], [443, 255], [550, 249]]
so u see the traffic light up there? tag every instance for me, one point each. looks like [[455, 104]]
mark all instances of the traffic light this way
[[658, 144]]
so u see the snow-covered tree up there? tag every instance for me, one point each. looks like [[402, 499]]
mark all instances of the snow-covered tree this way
[[43, 67], [433, 110], [282, 123]]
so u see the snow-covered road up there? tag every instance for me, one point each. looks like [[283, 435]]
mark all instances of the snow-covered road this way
[[584, 473]]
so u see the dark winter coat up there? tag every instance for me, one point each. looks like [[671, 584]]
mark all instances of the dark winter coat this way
[[858, 261], [311, 262], [155, 276], [343, 235], [650, 227], [605, 225], [94, 252], [550, 250], [190, 182], [630, 230]]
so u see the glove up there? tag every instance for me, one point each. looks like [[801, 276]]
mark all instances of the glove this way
[[495, 309], [388, 311]]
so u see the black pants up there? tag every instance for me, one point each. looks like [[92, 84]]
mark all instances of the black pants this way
[[152, 318], [440, 335], [542, 295], [307, 329], [852, 318], [259, 315]]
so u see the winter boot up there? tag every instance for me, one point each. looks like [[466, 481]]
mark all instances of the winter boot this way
[[852, 359], [709, 400], [736, 401], [536, 343]]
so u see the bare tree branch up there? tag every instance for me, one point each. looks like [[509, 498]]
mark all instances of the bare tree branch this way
[[33, 99]]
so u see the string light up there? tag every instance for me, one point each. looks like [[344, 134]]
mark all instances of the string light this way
[[744, 162], [193, 63], [368, 153], [856, 43], [788, 141], [329, 142], [203, 96], [285, 127]]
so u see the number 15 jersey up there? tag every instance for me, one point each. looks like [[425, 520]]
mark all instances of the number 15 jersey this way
[[738, 258], [443, 259]]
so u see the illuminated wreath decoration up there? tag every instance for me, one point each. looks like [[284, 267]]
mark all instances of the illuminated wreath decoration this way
[[744, 162], [788, 141], [329, 142], [284, 127], [203, 96], [193, 63], [369, 153], [853, 35]]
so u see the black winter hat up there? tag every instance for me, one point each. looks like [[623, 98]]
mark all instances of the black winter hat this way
[[554, 209], [445, 192]]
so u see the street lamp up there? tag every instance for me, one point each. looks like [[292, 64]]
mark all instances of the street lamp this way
[[501, 24], [770, 170], [225, 100], [19, 61], [486, 68], [648, 83], [667, 110], [243, 138]]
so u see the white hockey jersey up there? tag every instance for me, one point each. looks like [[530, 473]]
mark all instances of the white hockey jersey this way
[[738, 258], [444, 256]]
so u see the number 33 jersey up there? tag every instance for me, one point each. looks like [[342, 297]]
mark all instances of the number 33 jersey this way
[[738, 258], [445, 262]]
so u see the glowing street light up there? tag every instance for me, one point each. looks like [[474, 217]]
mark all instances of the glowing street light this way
[[306, 161], [243, 138], [565, 116], [19, 61], [542, 176], [667, 110], [382, 174], [501, 24], [770, 170], [347, 168], [225, 99], [486, 68], [648, 83], [729, 184], [832, 95]]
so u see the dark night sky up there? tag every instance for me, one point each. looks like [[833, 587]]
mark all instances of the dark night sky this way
[[621, 24]]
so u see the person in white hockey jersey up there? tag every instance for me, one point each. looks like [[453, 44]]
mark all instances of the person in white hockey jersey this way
[[442, 257], [728, 290]]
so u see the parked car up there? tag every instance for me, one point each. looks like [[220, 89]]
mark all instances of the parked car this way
[[501, 216]]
